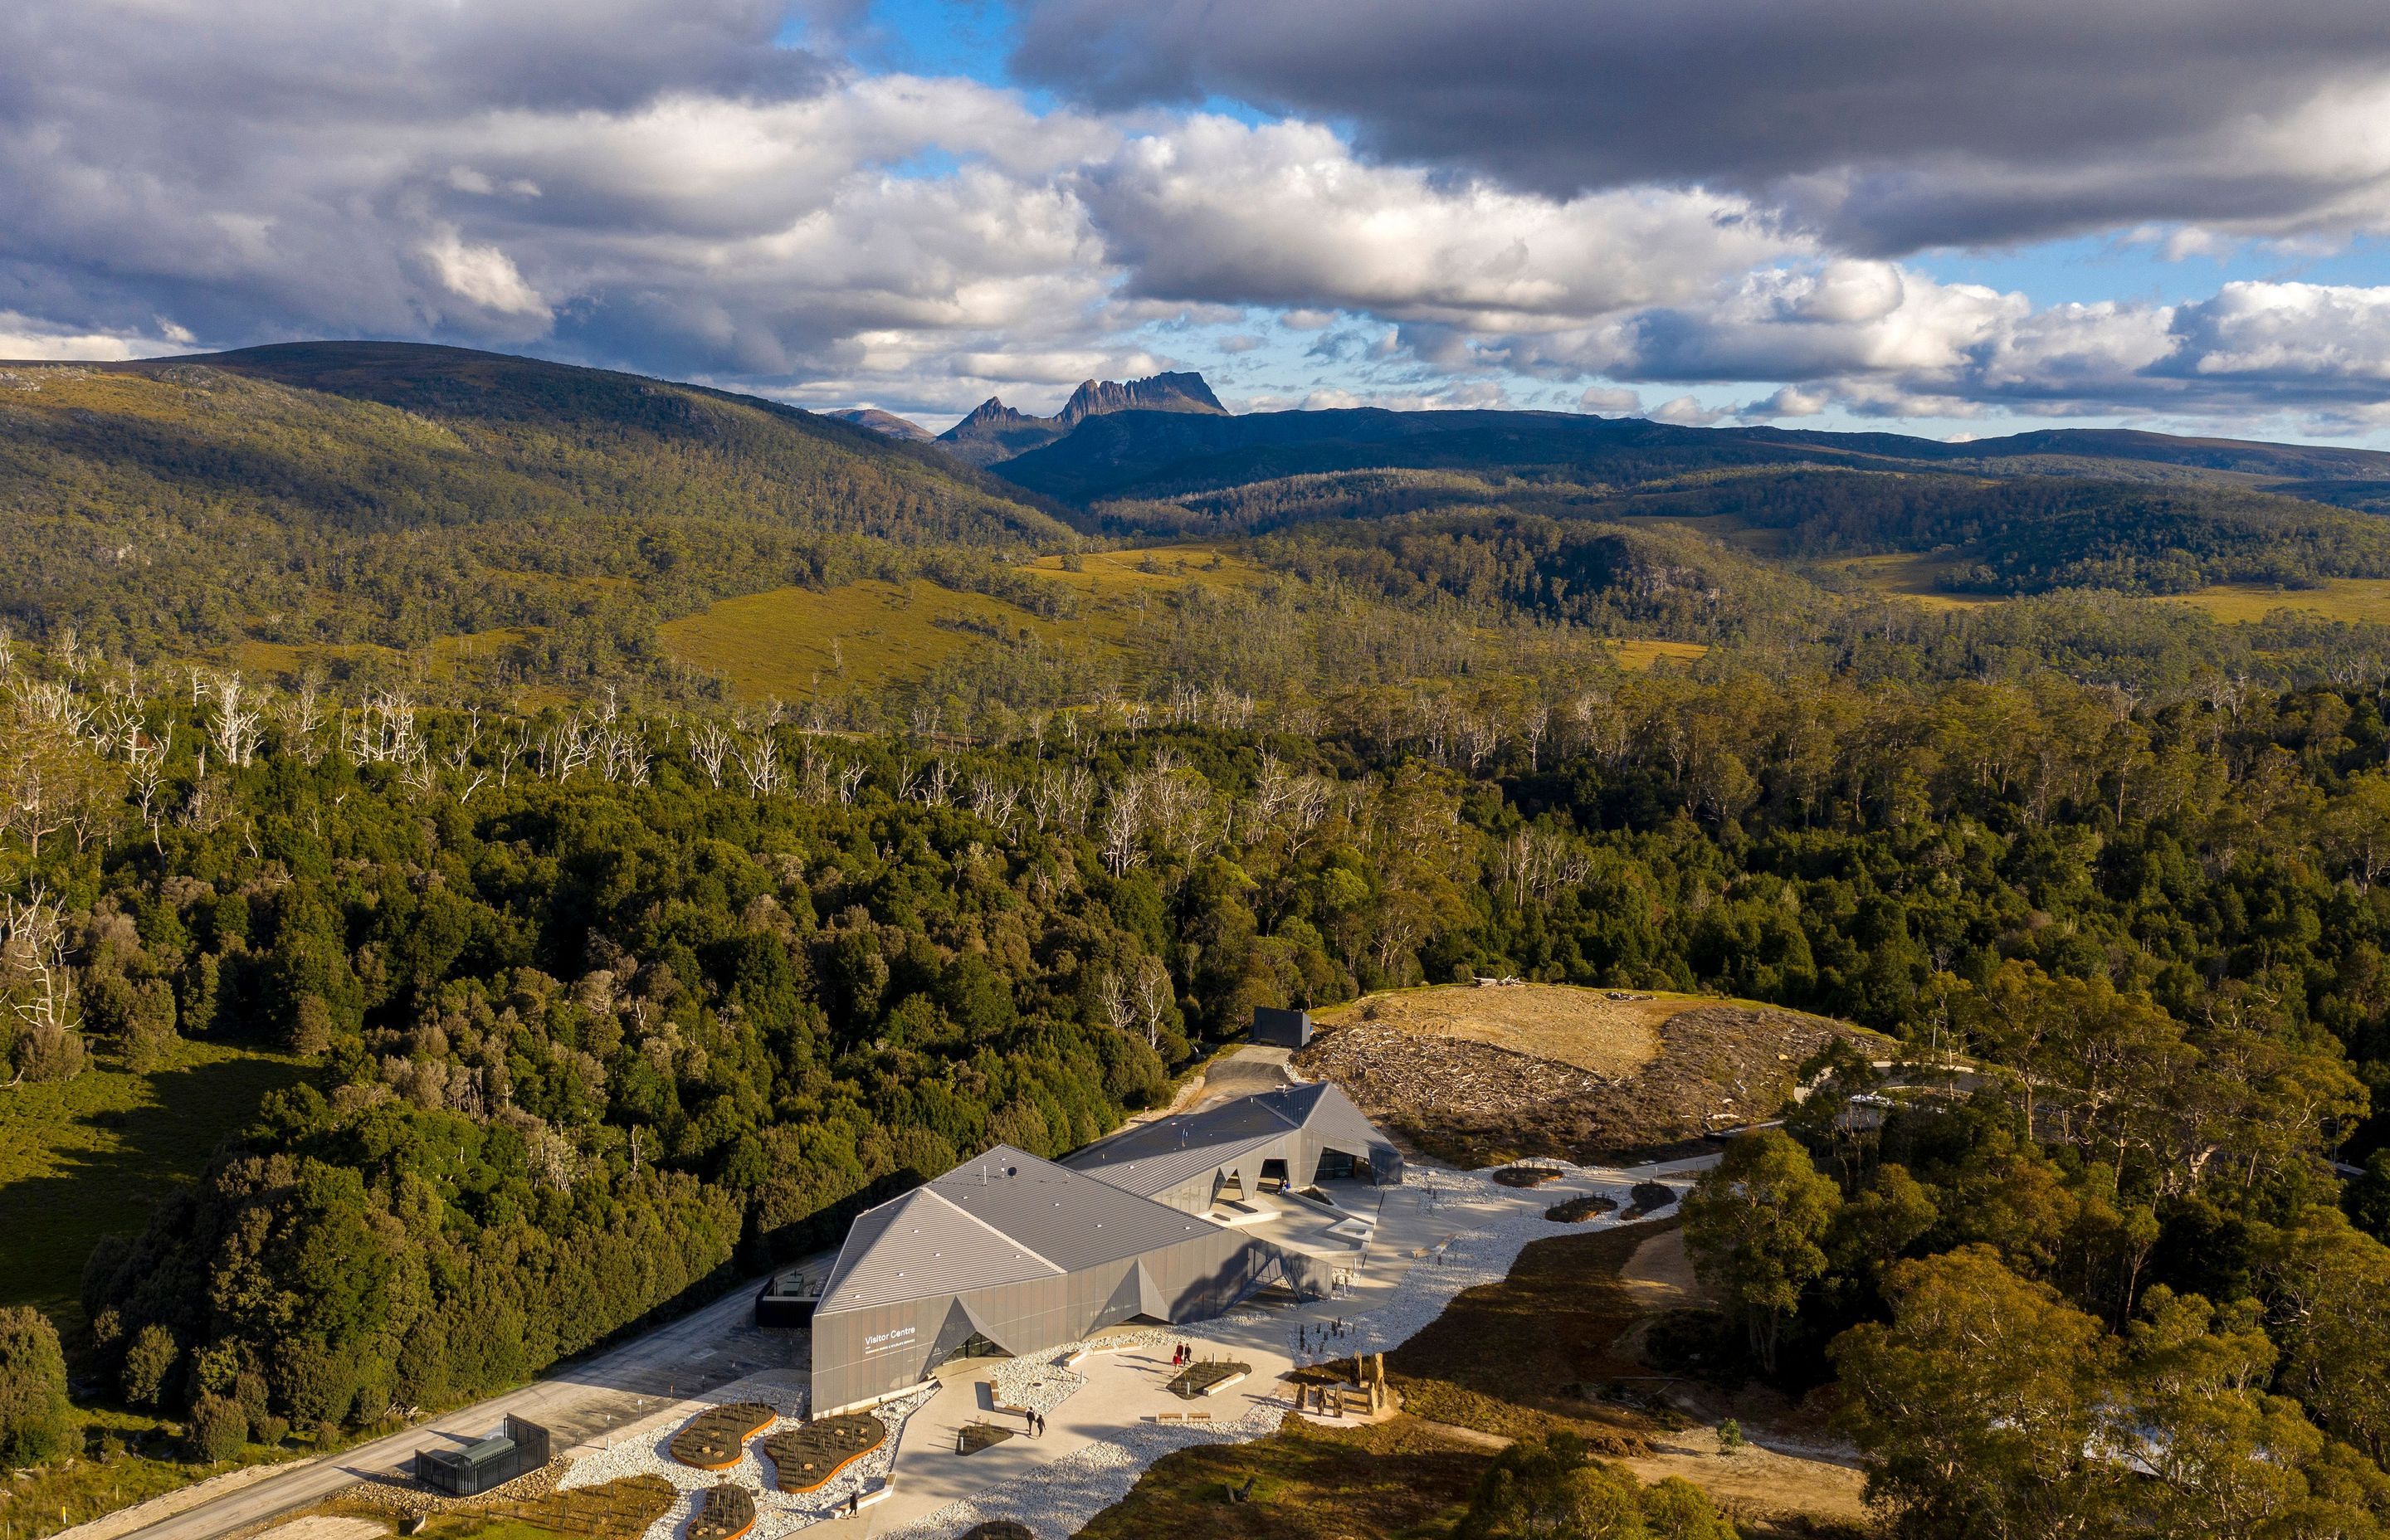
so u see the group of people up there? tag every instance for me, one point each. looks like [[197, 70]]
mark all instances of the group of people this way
[[1037, 1423], [1181, 1356], [1306, 1338]]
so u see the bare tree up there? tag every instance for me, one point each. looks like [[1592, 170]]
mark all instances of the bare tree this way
[[995, 800], [382, 731], [1119, 1001], [1153, 999], [759, 760], [710, 746], [1059, 796], [35, 805], [510, 750], [34, 948], [1123, 824], [238, 728], [147, 756]]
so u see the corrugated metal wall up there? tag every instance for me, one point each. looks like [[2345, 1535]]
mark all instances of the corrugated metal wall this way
[[863, 1355]]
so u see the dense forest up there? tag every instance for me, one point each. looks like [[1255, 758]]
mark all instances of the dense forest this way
[[610, 995], [611, 1005], [393, 497]]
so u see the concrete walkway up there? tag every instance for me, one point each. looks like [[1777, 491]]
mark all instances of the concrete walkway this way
[[1452, 1229], [1124, 1389]]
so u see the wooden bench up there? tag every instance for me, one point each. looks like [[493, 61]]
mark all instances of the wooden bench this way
[[1198, 1416], [1171, 1416], [880, 1494]]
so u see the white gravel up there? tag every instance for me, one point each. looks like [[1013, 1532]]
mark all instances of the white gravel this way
[[644, 1450], [1068, 1492], [1038, 1384], [1071, 1491], [1480, 1249]]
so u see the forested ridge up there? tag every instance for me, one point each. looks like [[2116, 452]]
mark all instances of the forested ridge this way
[[611, 995], [612, 1004], [348, 493]]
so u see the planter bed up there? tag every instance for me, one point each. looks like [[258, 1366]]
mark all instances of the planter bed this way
[[716, 1438], [811, 1455], [1211, 1379], [726, 1513]]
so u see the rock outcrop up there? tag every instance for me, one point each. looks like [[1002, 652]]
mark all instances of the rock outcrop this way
[[994, 431]]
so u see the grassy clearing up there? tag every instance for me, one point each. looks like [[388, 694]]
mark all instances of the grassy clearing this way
[[43, 1502], [795, 643], [1584, 1027], [1642, 654], [489, 1529], [1908, 575], [442, 660], [2353, 599], [1398, 1480], [1729, 529], [615, 1510], [93, 1155], [1149, 568], [1911, 576]]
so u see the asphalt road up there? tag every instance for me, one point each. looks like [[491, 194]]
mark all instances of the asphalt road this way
[[714, 1345]]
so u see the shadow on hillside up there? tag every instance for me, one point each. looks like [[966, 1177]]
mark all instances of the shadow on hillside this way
[[52, 1221]]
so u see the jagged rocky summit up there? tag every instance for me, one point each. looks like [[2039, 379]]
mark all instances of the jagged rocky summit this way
[[994, 431]]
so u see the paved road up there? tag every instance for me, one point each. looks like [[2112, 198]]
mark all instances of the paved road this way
[[580, 1401]]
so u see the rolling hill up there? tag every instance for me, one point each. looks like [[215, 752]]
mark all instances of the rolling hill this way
[[389, 494]]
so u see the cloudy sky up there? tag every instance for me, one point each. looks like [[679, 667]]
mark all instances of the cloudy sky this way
[[1956, 218]]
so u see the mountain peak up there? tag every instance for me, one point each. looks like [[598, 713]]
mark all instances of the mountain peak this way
[[1161, 392], [994, 431]]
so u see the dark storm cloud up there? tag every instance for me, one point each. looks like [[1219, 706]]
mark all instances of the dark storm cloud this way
[[1892, 125]]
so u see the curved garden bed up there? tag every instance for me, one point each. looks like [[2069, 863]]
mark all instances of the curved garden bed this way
[[808, 1456], [716, 1437], [728, 1512]]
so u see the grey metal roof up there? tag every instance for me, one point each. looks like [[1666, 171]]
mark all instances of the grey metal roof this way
[[1161, 1154], [1004, 1217], [920, 1245], [1074, 1219]]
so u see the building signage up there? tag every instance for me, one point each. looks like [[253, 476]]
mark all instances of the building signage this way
[[888, 1342]]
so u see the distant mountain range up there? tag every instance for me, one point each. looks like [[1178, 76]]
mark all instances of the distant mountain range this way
[[994, 431], [887, 424], [402, 487], [1139, 454]]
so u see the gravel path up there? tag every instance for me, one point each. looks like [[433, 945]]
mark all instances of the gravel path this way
[[644, 1450], [1074, 1489], [1070, 1492]]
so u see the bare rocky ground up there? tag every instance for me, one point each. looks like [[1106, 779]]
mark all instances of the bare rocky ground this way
[[1469, 1101]]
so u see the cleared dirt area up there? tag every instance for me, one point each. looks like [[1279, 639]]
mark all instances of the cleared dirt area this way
[[1477, 1076], [1762, 1489], [1609, 1033]]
